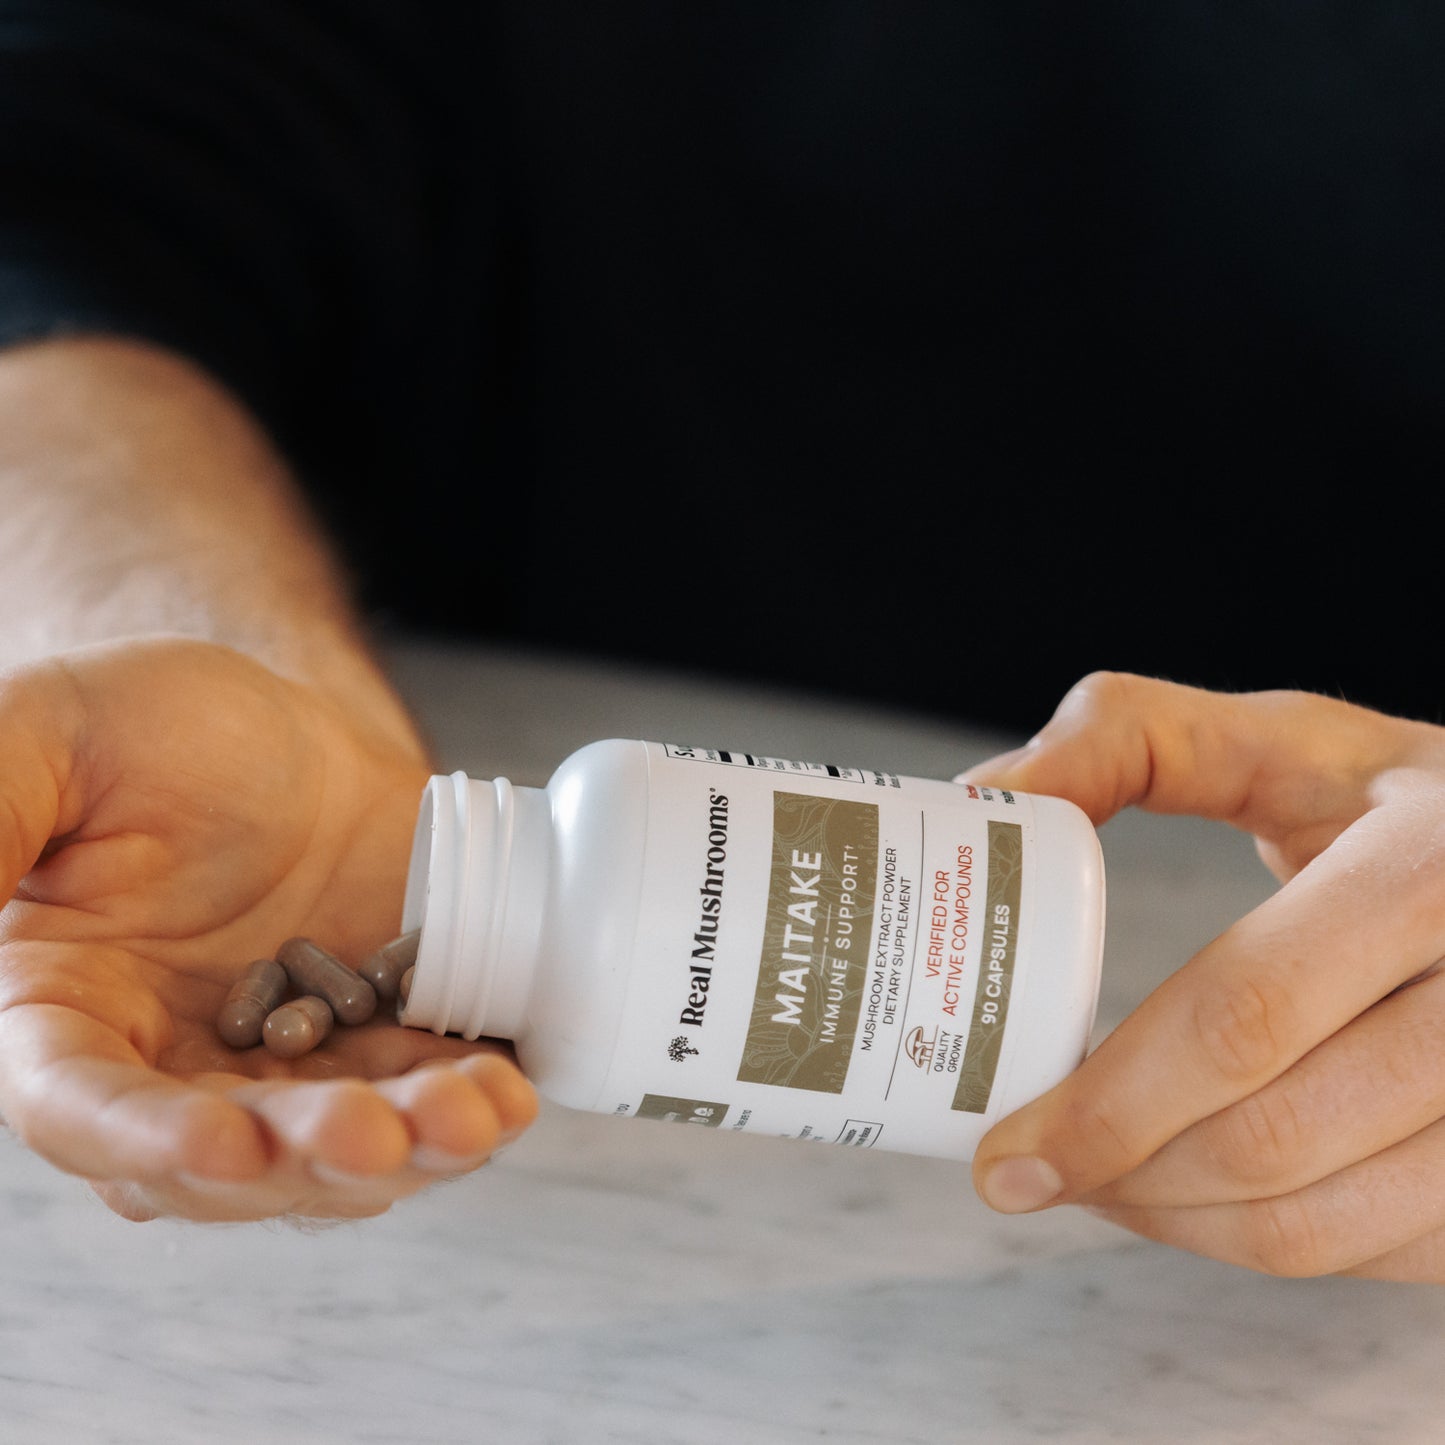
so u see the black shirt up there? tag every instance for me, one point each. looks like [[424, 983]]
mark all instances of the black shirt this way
[[930, 353]]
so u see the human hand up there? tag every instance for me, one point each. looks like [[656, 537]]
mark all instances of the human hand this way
[[1279, 1102], [169, 811]]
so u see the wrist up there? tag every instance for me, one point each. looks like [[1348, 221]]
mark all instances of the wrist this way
[[144, 500]]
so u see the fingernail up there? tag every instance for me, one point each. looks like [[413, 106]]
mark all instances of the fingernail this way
[[339, 1178], [1015, 1186], [431, 1160], [996, 765]]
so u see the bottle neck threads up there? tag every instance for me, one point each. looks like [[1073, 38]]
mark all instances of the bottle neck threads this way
[[476, 888]]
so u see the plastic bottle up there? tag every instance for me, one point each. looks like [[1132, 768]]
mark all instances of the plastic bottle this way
[[756, 944]]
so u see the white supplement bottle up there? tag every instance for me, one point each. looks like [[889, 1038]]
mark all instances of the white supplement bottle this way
[[756, 944]]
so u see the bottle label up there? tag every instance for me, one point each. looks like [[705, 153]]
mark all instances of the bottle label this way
[[812, 970], [831, 952]]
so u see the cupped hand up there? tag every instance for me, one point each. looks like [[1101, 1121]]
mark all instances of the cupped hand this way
[[169, 811], [1279, 1101]]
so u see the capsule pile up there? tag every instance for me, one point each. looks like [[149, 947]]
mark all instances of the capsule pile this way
[[292, 1002]]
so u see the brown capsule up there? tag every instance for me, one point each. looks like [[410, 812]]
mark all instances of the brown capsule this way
[[252, 997], [298, 1027], [312, 970], [404, 988], [384, 968]]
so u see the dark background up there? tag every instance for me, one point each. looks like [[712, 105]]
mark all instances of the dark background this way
[[933, 354], [941, 354]]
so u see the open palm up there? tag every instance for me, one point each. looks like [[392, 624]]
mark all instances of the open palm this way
[[172, 810]]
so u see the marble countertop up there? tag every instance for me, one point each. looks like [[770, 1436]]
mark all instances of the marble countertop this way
[[609, 1280]]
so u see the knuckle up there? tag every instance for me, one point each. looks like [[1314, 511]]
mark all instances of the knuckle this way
[[1102, 1130], [1256, 1142], [1285, 1238], [1241, 1028], [1100, 693], [373, 1210]]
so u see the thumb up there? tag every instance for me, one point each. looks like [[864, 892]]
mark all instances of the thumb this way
[[1270, 763], [1118, 740], [41, 718]]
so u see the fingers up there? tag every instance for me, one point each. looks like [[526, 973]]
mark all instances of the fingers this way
[[1373, 1084], [459, 1114], [1116, 740], [81, 1096], [1422, 1261], [1278, 1101], [1379, 1217], [1362, 919], [347, 1149], [1262, 761], [230, 1148]]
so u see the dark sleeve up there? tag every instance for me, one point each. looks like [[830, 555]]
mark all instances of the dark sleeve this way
[[248, 183]]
